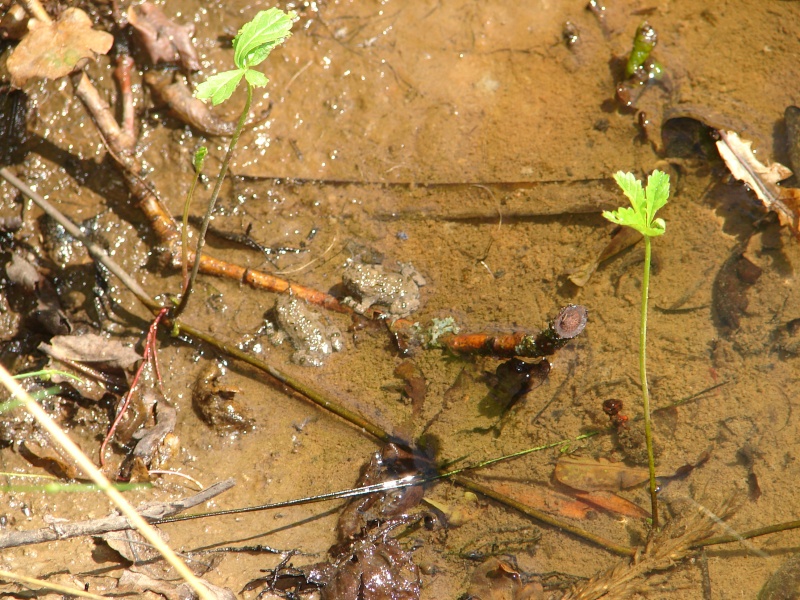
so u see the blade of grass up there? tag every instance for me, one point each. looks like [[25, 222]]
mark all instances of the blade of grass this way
[[49, 585]]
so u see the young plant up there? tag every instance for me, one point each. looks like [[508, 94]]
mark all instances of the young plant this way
[[251, 46], [641, 216]]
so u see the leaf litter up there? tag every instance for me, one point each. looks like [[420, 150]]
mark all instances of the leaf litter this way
[[762, 179], [68, 43]]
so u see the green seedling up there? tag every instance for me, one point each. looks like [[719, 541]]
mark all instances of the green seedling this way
[[641, 216], [251, 46]]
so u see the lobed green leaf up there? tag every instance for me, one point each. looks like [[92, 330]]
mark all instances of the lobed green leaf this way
[[256, 78], [657, 192], [257, 38], [219, 87], [644, 203]]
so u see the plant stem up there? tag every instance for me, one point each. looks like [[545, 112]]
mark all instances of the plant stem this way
[[648, 432], [185, 235], [212, 202]]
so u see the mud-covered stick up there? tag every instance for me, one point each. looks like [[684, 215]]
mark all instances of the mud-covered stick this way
[[568, 324]]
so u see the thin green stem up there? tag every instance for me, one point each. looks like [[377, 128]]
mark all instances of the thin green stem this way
[[648, 432], [185, 235], [212, 202]]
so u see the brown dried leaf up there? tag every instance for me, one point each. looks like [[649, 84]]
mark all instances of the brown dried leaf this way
[[546, 499], [164, 40], [90, 347], [49, 459], [611, 502], [590, 474], [415, 386], [23, 272], [52, 50], [763, 180], [623, 238]]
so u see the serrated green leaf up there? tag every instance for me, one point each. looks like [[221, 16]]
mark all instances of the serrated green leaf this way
[[657, 192], [219, 87], [257, 38], [256, 78], [644, 203], [631, 187], [199, 158]]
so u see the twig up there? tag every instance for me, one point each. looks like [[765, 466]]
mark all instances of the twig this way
[[150, 512], [36, 10], [568, 324], [123, 74], [103, 483], [738, 537]]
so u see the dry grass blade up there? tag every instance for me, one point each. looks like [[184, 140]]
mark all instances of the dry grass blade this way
[[671, 544], [47, 585], [103, 483]]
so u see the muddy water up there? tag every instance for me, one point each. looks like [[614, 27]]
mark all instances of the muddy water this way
[[470, 140]]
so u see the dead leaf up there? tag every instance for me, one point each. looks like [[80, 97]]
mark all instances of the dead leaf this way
[[216, 592], [164, 40], [49, 459], [544, 498], [52, 50], [611, 502], [151, 439], [622, 239], [415, 387], [23, 272], [90, 347], [763, 180], [590, 474]]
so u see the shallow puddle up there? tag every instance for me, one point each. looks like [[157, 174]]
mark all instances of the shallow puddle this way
[[469, 139]]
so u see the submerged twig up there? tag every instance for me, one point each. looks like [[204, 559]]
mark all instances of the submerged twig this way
[[568, 324], [150, 512]]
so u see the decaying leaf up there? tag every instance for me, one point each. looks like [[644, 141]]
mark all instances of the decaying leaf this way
[[23, 272], [415, 386], [611, 502], [48, 458], [90, 347], [590, 474], [165, 40], [52, 50], [622, 239], [763, 180], [48, 313], [150, 440], [544, 498]]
